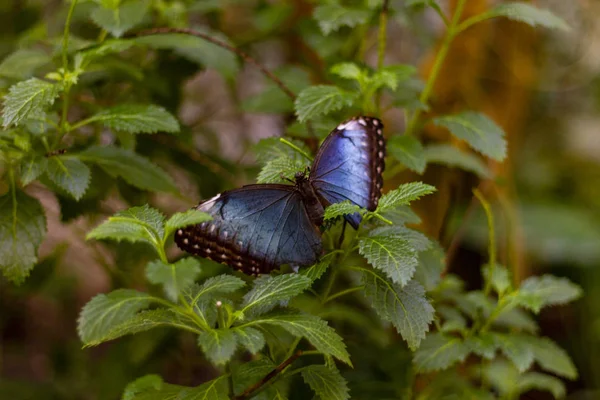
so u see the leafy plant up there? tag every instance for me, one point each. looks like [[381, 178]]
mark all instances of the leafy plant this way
[[263, 334]]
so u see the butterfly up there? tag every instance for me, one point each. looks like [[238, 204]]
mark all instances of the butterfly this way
[[258, 228]]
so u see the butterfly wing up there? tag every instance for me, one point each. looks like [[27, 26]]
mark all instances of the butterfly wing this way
[[349, 165], [255, 229]]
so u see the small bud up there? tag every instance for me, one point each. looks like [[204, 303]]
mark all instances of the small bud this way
[[219, 304]]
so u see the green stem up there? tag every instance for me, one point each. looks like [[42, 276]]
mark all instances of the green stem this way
[[65, 62], [343, 293], [492, 247], [451, 33], [381, 45], [296, 148], [13, 192]]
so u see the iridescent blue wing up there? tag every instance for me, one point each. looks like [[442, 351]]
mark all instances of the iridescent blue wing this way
[[349, 165], [255, 229]]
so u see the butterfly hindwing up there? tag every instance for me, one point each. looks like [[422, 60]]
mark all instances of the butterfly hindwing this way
[[349, 165], [255, 229]]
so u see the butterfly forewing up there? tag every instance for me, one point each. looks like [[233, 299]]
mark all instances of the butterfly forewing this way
[[350, 163], [254, 229]]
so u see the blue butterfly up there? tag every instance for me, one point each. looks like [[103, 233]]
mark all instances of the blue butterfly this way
[[258, 228]]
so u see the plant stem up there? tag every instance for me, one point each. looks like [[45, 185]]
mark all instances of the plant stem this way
[[492, 247], [65, 67], [451, 33], [343, 293], [381, 45], [296, 148]]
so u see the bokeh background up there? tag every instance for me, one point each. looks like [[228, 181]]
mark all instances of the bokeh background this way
[[542, 87]]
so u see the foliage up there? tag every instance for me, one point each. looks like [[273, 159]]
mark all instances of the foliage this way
[[88, 119]]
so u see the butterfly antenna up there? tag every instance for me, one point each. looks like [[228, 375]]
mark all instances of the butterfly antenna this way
[[342, 235], [285, 178]]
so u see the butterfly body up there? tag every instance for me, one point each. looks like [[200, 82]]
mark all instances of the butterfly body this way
[[258, 228]]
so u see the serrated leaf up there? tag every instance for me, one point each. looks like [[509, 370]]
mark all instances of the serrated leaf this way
[[404, 195], [196, 49], [22, 63], [218, 345], [282, 166], [348, 71], [106, 311], [133, 168], [250, 338], [340, 209], [118, 20], [173, 277], [317, 270], [332, 17], [431, 265], [483, 344], [148, 382], [418, 241], [31, 168], [220, 284], [28, 99], [272, 148], [516, 318], [478, 130], [137, 224], [22, 229], [322, 100], [391, 76], [439, 352], [69, 174], [181, 220], [84, 57], [538, 381], [498, 276], [405, 307], [409, 151], [552, 358], [252, 372], [314, 329], [137, 118], [268, 291], [526, 13], [537, 292], [211, 390], [326, 382], [392, 254], [517, 349], [450, 156]]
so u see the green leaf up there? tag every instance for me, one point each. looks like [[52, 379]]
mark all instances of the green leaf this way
[[339, 209], [249, 373], [196, 49], [537, 292], [250, 338], [22, 229], [317, 270], [517, 318], [498, 276], [218, 345], [181, 220], [526, 13], [482, 134], [314, 329], [211, 390], [272, 148], [69, 174], [450, 156], [220, 284], [326, 382], [268, 291], [28, 99], [439, 352], [173, 277], [517, 349], [484, 345], [405, 307], [137, 224], [140, 385], [404, 195], [282, 166], [418, 241], [86, 56], [348, 71], [552, 358], [118, 20], [431, 265], [322, 100], [23, 63], [106, 311], [137, 118], [332, 17], [392, 254], [133, 168], [409, 151], [538, 381], [391, 76], [32, 167]]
